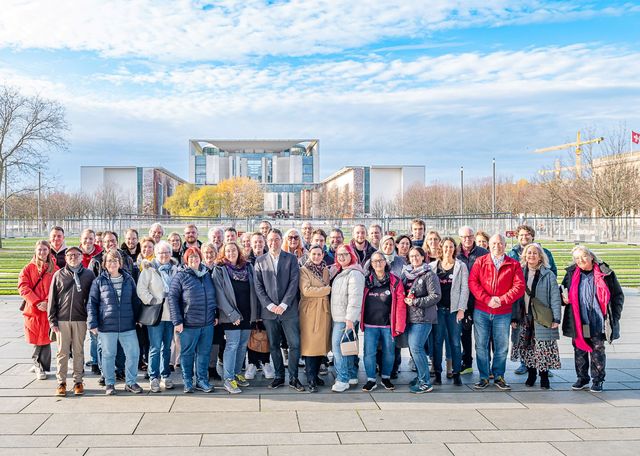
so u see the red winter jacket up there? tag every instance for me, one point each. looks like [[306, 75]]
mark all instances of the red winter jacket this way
[[398, 307], [36, 323], [507, 283]]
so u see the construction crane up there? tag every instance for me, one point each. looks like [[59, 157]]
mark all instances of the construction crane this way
[[578, 148]]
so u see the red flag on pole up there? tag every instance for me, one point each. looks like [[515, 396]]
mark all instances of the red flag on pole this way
[[635, 137]]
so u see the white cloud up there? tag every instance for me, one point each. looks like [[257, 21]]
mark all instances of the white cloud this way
[[182, 31]]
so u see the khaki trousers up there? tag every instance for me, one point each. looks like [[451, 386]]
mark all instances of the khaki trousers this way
[[71, 340]]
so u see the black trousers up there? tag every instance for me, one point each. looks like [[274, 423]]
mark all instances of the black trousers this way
[[42, 356], [597, 359], [312, 367]]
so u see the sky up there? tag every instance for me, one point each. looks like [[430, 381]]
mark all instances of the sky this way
[[440, 83]]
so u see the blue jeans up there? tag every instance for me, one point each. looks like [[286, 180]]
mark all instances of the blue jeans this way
[[234, 351], [418, 334], [291, 329], [371, 337], [160, 337], [487, 326], [345, 365], [195, 343], [109, 347], [119, 355], [93, 339], [447, 330]]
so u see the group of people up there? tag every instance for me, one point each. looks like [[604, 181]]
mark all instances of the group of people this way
[[157, 304]]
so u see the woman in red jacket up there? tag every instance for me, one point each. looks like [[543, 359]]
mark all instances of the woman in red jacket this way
[[383, 318], [33, 285]]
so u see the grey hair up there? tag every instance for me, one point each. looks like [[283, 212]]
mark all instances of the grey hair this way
[[502, 238], [544, 259], [162, 245], [215, 229], [466, 227], [154, 226], [584, 249]]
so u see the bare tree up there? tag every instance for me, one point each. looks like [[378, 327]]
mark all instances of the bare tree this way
[[30, 128]]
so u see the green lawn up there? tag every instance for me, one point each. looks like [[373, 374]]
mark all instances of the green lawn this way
[[623, 259]]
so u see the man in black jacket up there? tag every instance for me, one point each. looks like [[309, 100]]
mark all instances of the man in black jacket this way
[[67, 311], [469, 253], [58, 246]]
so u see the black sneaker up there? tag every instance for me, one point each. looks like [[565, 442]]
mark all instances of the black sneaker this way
[[369, 386], [596, 387], [276, 383], [319, 381], [296, 385], [95, 369], [120, 376], [501, 384], [580, 385], [312, 387], [456, 379], [387, 384], [437, 378], [482, 384], [101, 381], [135, 388]]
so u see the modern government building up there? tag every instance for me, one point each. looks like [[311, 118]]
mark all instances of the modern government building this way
[[287, 169]]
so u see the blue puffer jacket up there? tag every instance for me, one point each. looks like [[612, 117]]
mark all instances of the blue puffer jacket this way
[[108, 313], [192, 299]]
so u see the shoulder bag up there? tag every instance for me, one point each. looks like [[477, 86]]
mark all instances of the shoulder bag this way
[[541, 313], [151, 314]]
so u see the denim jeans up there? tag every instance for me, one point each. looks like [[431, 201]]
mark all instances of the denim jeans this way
[[120, 361], [93, 348], [418, 334], [372, 336], [486, 327], [447, 329], [291, 329], [234, 351], [160, 337], [345, 365], [195, 343], [109, 347]]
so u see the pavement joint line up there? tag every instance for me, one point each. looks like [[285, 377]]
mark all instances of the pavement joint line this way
[[473, 433], [573, 432], [200, 441], [446, 445], [63, 439], [298, 421], [32, 401], [42, 424], [173, 403], [373, 397], [483, 416], [362, 421], [138, 424], [339, 439], [9, 368], [581, 419], [558, 449]]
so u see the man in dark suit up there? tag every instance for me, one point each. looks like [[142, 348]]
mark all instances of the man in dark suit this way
[[276, 280]]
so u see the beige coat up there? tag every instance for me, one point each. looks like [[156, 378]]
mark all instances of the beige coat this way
[[315, 314]]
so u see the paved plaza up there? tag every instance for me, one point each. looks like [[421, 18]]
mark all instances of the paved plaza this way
[[450, 420]]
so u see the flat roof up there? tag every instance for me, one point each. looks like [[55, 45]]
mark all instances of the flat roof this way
[[253, 145]]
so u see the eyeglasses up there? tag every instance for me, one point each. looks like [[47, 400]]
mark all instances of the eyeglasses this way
[[113, 261], [73, 255], [342, 255], [378, 261], [164, 252], [467, 237], [293, 237]]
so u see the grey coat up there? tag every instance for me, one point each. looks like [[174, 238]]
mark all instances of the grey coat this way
[[427, 293], [548, 293], [280, 288], [459, 286], [228, 310]]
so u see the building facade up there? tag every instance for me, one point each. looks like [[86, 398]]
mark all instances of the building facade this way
[[283, 167], [143, 189], [358, 191]]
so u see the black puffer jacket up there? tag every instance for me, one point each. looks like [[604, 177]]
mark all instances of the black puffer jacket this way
[[192, 299], [614, 306], [66, 303], [106, 311], [426, 294]]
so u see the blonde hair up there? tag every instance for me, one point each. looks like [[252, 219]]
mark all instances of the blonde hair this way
[[50, 263], [544, 259]]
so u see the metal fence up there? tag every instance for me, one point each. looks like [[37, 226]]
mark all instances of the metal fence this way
[[585, 229]]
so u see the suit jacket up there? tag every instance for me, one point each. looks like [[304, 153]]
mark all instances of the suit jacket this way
[[272, 288]]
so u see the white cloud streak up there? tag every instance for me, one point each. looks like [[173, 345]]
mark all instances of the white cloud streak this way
[[182, 31]]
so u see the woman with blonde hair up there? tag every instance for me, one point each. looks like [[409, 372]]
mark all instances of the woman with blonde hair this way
[[293, 244], [34, 282], [537, 346]]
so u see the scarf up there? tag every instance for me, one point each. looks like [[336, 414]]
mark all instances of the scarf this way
[[412, 273], [602, 293], [240, 273], [165, 273], [316, 269], [201, 271], [76, 276]]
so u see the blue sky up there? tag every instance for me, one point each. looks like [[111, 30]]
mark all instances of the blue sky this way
[[441, 83]]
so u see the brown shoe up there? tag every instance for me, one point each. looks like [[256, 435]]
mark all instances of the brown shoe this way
[[61, 390], [78, 389]]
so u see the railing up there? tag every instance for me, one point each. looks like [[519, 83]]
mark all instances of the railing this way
[[585, 229]]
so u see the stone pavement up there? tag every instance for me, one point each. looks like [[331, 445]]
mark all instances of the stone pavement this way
[[450, 420]]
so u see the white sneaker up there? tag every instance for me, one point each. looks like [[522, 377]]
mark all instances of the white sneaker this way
[[353, 381], [250, 372], [40, 374], [32, 369], [220, 368], [412, 365], [154, 385], [339, 387], [268, 371], [166, 383]]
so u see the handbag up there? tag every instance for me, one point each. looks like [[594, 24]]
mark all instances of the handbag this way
[[541, 313], [348, 345], [258, 341], [150, 314], [23, 304]]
